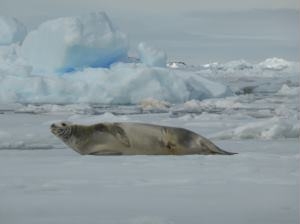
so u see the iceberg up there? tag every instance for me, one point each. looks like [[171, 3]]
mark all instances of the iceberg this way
[[123, 83], [11, 30], [79, 60], [72, 43]]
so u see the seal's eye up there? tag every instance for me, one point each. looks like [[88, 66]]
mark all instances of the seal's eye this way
[[63, 124]]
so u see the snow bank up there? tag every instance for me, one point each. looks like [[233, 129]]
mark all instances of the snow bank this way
[[273, 128], [121, 84], [11, 30], [70, 43], [151, 56]]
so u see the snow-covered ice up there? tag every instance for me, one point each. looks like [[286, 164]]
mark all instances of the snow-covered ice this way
[[57, 186], [42, 180]]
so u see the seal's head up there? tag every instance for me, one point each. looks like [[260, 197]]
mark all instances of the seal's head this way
[[62, 130]]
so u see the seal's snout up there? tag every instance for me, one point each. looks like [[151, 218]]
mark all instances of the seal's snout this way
[[61, 130], [53, 128]]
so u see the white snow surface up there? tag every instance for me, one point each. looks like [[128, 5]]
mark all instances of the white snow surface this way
[[11, 30], [42, 180], [71, 43]]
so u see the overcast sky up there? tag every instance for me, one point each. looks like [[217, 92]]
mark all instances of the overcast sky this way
[[33, 12], [56, 7]]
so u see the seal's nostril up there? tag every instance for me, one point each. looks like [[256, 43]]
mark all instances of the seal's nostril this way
[[52, 125]]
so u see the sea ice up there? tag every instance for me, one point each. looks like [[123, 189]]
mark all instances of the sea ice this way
[[11, 30], [275, 64], [71, 43], [71, 46], [270, 67], [272, 128]]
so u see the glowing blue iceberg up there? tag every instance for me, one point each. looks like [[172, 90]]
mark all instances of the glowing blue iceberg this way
[[72, 43]]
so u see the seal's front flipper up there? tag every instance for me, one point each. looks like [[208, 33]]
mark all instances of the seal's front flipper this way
[[106, 153], [115, 130], [119, 134]]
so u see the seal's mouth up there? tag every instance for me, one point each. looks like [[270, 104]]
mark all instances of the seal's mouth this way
[[62, 132], [56, 130]]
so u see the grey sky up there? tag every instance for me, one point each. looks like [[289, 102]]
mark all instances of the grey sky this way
[[56, 7]]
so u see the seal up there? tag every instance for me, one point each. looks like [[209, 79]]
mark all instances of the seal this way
[[133, 139]]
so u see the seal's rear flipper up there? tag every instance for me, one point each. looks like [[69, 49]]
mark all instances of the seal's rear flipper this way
[[231, 153], [107, 153], [222, 152]]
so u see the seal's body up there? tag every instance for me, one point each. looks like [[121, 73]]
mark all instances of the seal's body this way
[[133, 139]]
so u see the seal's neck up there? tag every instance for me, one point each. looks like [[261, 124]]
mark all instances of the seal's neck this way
[[80, 131]]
